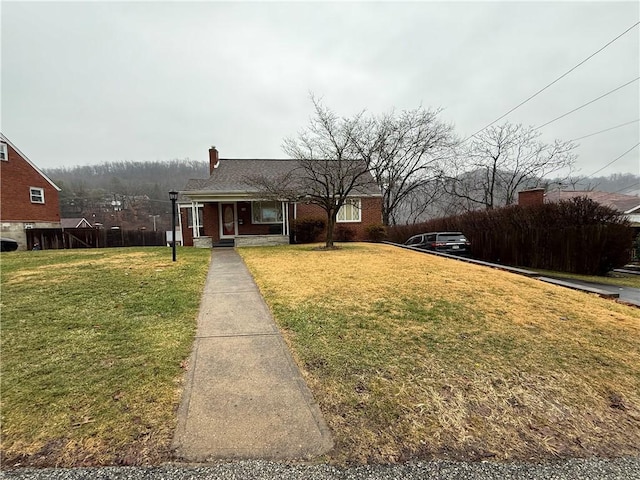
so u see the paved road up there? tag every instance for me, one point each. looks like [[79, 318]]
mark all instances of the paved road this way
[[597, 469]]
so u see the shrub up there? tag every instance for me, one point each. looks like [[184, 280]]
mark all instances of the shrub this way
[[577, 235], [376, 233], [307, 230], [343, 233]]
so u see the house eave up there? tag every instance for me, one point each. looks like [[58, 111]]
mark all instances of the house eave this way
[[33, 165]]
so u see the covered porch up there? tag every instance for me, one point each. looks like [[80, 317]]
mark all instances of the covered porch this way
[[229, 221]]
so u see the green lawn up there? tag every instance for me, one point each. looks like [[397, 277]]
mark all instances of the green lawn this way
[[93, 345], [410, 356]]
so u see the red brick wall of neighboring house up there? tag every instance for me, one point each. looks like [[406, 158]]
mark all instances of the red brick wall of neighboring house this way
[[371, 214], [17, 176], [531, 197]]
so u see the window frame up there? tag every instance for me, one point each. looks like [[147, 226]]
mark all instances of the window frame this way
[[356, 206], [190, 216], [4, 152], [39, 192], [261, 221]]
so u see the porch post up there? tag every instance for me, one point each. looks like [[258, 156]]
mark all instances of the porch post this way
[[285, 219]]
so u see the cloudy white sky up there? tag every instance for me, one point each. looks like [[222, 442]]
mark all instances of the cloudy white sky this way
[[88, 82]]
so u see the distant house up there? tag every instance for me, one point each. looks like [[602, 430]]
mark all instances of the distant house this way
[[224, 209], [29, 199], [71, 223], [628, 205]]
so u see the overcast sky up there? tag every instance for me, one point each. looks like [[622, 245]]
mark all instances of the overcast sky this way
[[88, 82]]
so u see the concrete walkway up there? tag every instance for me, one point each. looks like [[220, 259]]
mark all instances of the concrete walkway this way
[[244, 396]]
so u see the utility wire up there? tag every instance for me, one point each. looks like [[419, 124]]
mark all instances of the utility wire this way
[[606, 130], [588, 103], [555, 81], [613, 161], [625, 188]]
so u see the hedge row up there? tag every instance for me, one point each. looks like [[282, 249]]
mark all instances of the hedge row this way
[[577, 235]]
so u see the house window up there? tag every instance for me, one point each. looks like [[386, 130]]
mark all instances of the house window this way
[[37, 195], [266, 212], [4, 154], [350, 211], [190, 217]]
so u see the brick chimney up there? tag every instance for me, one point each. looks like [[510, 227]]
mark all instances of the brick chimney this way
[[535, 196], [213, 159]]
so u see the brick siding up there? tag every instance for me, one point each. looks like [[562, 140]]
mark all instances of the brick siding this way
[[17, 176]]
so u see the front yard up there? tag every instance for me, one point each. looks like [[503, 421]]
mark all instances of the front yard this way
[[410, 356], [414, 356]]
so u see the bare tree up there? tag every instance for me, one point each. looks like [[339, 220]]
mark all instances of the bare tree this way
[[502, 160], [329, 168], [404, 152]]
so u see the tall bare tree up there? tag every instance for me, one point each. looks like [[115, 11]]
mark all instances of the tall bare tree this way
[[404, 152], [329, 168], [502, 160]]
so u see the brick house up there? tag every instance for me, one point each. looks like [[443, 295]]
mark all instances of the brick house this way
[[225, 210], [29, 199]]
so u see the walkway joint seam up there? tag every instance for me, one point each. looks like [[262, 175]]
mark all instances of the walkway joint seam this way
[[232, 335]]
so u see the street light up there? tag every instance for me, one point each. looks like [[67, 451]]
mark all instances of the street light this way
[[173, 196]]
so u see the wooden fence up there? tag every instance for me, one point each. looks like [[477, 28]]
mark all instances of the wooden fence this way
[[58, 238]]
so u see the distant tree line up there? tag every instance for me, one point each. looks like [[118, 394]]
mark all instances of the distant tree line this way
[[127, 194]]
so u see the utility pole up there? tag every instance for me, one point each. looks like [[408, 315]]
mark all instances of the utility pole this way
[[154, 221]]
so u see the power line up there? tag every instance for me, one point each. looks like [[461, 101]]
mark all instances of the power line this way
[[606, 130], [625, 188], [613, 161], [588, 103], [555, 81]]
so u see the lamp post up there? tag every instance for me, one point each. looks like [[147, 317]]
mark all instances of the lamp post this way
[[173, 196]]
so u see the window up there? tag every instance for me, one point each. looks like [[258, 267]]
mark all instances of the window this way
[[350, 211], [37, 195], [190, 217], [266, 212], [4, 154]]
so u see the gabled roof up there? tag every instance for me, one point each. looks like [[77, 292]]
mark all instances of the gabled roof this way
[[74, 222], [617, 201], [230, 177], [26, 159]]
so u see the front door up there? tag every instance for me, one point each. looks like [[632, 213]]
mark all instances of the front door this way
[[227, 220]]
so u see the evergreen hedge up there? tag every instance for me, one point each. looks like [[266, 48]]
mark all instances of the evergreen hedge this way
[[577, 235]]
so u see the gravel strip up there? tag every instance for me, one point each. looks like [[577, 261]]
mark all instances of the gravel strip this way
[[577, 469]]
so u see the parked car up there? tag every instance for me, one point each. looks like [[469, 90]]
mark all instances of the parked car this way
[[8, 245], [454, 243]]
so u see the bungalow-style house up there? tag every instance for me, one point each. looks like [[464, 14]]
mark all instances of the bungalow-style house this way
[[29, 199], [628, 205], [225, 209]]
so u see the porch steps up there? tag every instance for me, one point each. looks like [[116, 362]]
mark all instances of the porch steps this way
[[225, 242]]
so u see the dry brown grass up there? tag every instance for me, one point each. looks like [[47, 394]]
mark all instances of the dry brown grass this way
[[415, 356]]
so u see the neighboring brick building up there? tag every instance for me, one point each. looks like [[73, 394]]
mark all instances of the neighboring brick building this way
[[225, 208], [28, 198]]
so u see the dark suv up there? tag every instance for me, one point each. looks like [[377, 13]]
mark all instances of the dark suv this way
[[454, 243]]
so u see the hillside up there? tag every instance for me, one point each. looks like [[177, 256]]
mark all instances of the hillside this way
[[124, 194]]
